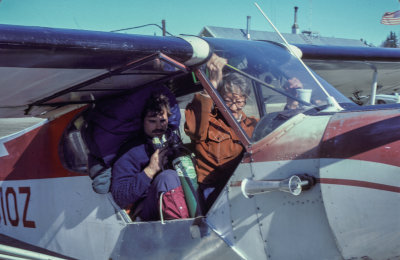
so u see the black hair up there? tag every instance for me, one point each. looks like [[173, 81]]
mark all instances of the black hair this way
[[156, 105]]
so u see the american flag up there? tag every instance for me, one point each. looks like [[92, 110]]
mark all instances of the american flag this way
[[391, 18]]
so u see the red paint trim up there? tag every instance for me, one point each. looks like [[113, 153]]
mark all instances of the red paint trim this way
[[35, 155], [363, 184], [345, 182], [372, 136], [176, 64]]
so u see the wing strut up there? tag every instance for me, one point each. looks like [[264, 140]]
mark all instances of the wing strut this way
[[374, 83], [333, 105]]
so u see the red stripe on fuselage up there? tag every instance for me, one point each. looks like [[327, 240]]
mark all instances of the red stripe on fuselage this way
[[369, 136], [363, 184], [35, 155], [372, 136]]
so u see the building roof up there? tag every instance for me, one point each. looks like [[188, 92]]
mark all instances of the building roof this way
[[303, 38]]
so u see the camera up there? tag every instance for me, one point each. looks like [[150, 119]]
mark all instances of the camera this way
[[168, 140], [181, 160]]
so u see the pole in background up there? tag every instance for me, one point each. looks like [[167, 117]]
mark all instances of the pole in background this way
[[163, 27], [248, 28]]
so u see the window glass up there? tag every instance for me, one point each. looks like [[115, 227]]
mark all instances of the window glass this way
[[281, 87], [73, 150]]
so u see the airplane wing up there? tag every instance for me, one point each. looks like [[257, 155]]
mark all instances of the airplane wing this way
[[351, 69], [42, 68]]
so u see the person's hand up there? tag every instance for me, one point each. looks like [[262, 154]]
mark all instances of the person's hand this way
[[291, 104], [291, 85], [215, 66], [157, 160]]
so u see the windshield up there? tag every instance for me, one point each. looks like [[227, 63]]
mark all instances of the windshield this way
[[281, 87]]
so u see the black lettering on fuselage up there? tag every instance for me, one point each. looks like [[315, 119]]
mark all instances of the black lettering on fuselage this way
[[27, 191], [6, 202], [2, 206], [10, 191]]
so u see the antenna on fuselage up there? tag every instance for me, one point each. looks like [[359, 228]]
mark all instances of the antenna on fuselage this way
[[333, 105]]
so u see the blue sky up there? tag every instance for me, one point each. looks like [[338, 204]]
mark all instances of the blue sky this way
[[352, 19]]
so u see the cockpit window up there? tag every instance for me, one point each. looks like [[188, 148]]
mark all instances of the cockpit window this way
[[73, 150], [281, 86]]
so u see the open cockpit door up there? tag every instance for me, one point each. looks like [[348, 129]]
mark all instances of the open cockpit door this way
[[43, 68]]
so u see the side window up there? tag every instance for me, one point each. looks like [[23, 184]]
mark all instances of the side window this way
[[73, 150], [251, 109], [183, 101], [238, 92]]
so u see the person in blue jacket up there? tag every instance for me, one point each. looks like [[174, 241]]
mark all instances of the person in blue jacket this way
[[111, 123], [140, 176]]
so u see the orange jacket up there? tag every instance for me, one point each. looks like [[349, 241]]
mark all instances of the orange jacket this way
[[218, 149]]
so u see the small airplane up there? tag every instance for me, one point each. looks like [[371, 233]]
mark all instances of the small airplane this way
[[320, 181], [382, 98]]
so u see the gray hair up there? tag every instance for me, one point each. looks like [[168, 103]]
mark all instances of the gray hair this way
[[236, 84]]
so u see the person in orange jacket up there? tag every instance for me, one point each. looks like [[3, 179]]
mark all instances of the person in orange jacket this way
[[217, 147]]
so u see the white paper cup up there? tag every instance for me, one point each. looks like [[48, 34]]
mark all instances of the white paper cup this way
[[304, 94]]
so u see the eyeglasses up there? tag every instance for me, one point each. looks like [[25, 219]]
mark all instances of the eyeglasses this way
[[238, 102]]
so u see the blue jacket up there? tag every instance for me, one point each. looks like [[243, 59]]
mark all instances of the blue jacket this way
[[129, 182], [112, 122]]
